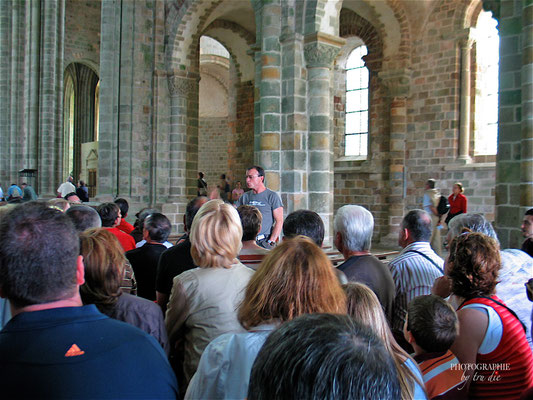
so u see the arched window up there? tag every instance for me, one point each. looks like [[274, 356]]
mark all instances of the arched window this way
[[356, 127], [487, 62], [68, 118]]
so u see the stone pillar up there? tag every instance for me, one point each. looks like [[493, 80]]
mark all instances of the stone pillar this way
[[294, 125], [268, 72], [398, 83], [513, 187], [51, 96], [182, 147], [320, 52], [526, 162], [464, 131]]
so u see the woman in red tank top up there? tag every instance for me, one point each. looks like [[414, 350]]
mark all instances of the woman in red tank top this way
[[499, 366]]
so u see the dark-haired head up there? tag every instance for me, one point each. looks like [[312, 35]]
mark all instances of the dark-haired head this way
[[433, 323], [123, 205], [39, 250], [306, 223], [84, 217], [323, 356]]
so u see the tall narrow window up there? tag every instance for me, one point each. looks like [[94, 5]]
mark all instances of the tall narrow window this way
[[487, 60], [356, 133]]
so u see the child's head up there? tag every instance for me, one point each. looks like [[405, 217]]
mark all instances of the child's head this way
[[431, 323]]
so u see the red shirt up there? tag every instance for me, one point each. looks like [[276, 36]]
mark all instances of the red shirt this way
[[458, 205], [125, 226], [512, 353], [127, 241]]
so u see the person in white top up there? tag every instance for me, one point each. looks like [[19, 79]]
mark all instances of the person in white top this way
[[66, 187]]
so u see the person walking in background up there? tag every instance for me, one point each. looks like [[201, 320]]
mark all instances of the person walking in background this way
[[430, 201], [201, 185], [458, 202], [224, 188], [82, 191], [237, 192], [66, 188]]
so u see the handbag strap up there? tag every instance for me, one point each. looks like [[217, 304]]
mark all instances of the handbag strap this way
[[427, 258]]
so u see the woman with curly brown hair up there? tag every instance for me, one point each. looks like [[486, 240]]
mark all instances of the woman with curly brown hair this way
[[104, 262], [295, 278], [491, 345]]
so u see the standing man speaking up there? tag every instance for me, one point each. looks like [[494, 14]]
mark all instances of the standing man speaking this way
[[268, 202]]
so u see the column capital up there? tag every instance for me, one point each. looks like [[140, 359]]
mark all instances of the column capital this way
[[397, 81], [320, 49], [179, 85]]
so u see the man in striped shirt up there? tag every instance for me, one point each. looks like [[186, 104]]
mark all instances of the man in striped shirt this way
[[415, 269]]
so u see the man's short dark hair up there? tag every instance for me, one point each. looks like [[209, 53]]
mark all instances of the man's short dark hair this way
[[158, 227], [123, 205], [108, 213], [84, 217], [431, 183], [39, 247], [323, 356], [69, 195], [251, 219], [192, 208], [306, 223], [432, 322], [418, 223], [260, 171], [529, 212]]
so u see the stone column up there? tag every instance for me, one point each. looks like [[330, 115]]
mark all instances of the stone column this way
[[398, 83], [464, 130], [320, 52], [181, 163], [526, 162], [268, 64], [294, 124], [51, 96]]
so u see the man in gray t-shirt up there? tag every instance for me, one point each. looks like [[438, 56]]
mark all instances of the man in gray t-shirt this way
[[268, 202]]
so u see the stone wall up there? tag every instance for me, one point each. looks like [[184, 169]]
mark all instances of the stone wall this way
[[82, 32], [214, 137]]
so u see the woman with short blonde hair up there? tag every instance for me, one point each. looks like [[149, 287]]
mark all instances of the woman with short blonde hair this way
[[216, 235], [204, 300], [295, 278]]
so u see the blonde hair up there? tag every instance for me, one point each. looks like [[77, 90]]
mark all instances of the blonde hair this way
[[364, 307], [295, 278], [104, 262], [215, 235]]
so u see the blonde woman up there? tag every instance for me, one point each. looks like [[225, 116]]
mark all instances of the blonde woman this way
[[204, 300], [364, 307], [295, 278]]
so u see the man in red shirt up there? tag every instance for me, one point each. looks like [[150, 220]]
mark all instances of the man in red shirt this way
[[124, 225], [111, 217]]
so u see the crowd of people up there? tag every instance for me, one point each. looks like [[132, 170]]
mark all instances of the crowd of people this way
[[248, 304]]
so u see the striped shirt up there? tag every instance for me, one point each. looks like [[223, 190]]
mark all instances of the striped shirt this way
[[442, 375], [413, 275]]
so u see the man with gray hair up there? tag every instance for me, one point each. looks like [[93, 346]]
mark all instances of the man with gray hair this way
[[415, 269], [353, 228], [84, 217], [517, 268]]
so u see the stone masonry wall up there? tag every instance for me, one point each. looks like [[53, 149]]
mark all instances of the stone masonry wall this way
[[82, 32], [214, 136]]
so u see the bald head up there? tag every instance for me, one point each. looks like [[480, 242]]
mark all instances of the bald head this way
[[418, 224]]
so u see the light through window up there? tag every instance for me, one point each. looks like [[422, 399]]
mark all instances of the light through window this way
[[487, 60], [356, 133]]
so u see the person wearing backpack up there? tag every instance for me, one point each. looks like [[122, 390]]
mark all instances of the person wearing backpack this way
[[430, 203]]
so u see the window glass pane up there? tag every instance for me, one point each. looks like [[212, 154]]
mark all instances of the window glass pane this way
[[356, 145], [356, 123]]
